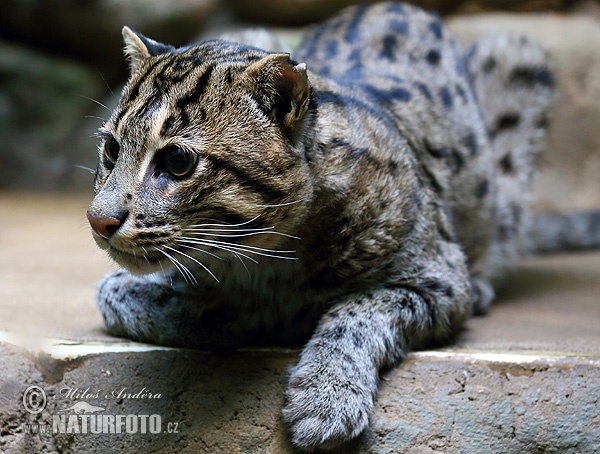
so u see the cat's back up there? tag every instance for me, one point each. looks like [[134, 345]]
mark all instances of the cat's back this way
[[379, 39]]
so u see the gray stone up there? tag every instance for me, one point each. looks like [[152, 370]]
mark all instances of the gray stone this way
[[213, 404]]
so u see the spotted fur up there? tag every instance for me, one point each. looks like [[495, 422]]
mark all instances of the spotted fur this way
[[355, 196]]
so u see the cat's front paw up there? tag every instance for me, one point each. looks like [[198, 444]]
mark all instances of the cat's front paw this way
[[110, 301], [325, 406], [134, 306]]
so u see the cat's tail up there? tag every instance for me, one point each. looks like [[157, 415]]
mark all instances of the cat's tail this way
[[554, 232], [514, 86]]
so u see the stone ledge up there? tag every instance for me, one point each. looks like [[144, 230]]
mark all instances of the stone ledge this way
[[443, 401]]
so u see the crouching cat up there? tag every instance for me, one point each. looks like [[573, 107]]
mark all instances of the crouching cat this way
[[355, 197]]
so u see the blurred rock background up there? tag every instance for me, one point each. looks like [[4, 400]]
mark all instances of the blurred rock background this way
[[61, 63]]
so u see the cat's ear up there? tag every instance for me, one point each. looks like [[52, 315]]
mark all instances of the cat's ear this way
[[138, 48], [281, 87]]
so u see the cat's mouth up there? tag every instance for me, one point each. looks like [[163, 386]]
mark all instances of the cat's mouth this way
[[136, 262]]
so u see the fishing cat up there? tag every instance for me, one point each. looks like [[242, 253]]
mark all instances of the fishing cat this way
[[356, 196]]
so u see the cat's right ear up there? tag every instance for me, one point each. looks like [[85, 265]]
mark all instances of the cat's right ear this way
[[138, 48]]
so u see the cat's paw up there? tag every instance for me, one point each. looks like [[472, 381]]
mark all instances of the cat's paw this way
[[325, 407], [131, 306], [109, 300]]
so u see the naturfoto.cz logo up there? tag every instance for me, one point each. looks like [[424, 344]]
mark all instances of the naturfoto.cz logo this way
[[82, 417]]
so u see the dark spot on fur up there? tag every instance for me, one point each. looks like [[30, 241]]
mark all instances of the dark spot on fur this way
[[470, 142], [507, 121], [399, 27], [506, 163], [433, 57], [389, 47], [336, 333], [458, 160], [446, 97], [542, 122], [436, 29], [462, 93], [385, 96], [331, 48], [434, 184], [489, 65], [357, 339], [483, 187], [353, 30], [424, 90], [438, 153], [530, 76]]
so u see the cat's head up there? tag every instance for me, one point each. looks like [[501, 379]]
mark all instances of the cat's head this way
[[202, 158]]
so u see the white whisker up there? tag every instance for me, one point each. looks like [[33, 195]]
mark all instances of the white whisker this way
[[224, 248], [186, 273], [93, 100], [225, 224], [194, 260], [273, 253], [238, 233], [200, 250], [93, 117], [87, 169], [282, 204]]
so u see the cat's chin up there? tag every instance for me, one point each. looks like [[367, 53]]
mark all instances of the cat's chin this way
[[136, 264]]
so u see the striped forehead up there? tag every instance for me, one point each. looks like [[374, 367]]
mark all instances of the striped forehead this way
[[178, 80]]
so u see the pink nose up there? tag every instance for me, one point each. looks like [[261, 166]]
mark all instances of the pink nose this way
[[104, 227]]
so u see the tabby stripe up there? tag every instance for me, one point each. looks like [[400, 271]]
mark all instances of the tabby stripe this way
[[268, 192], [135, 89], [199, 89], [133, 93], [329, 97]]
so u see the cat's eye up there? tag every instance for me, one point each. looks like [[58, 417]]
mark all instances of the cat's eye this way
[[111, 152], [176, 161]]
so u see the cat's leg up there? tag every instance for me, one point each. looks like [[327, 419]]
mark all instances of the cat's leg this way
[[332, 388], [158, 309]]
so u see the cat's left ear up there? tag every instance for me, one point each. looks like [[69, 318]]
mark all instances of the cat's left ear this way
[[138, 48], [281, 87]]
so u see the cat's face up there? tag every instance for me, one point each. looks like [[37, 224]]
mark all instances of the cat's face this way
[[201, 160]]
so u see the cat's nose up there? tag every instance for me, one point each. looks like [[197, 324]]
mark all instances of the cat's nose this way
[[105, 226]]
